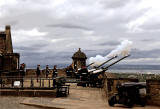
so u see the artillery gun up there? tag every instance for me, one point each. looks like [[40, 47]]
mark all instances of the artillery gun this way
[[129, 93], [97, 67], [96, 79], [83, 73], [106, 68], [95, 76]]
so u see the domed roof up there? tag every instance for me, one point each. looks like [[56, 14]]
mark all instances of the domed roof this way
[[79, 54]]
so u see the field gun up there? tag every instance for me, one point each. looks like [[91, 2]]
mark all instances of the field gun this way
[[84, 72], [96, 79], [106, 68], [97, 67], [129, 93]]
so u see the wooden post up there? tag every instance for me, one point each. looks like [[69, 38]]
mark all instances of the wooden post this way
[[40, 82], [22, 82], [43, 83], [12, 82], [1, 82], [68, 90], [32, 83], [49, 83], [54, 82]]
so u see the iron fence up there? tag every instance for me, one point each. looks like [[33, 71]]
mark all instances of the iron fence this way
[[13, 82]]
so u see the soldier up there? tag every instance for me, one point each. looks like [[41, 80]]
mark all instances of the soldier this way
[[22, 70], [38, 71], [47, 71], [55, 73], [69, 71]]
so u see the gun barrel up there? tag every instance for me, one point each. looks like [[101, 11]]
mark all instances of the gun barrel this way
[[104, 69], [116, 62], [90, 64], [102, 64], [106, 61]]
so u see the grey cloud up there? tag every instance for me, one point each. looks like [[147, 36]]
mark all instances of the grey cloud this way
[[114, 3], [12, 22], [97, 52], [109, 29], [145, 53], [33, 47], [68, 26], [34, 58], [109, 43], [151, 27], [146, 40]]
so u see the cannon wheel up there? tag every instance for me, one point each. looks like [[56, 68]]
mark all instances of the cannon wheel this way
[[112, 101], [129, 103], [143, 102]]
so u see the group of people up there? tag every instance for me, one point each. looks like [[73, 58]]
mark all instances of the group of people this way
[[47, 71]]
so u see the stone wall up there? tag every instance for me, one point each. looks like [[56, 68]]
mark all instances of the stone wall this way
[[6, 40], [32, 72], [2, 42], [28, 93], [153, 92]]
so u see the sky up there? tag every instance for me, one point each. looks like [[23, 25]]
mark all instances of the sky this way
[[50, 31]]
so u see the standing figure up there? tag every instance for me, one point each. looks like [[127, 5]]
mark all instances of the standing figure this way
[[55, 73], [38, 71], [47, 71], [22, 70]]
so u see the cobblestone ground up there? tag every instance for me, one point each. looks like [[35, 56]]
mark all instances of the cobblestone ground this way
[[79, 98], [13, 103]]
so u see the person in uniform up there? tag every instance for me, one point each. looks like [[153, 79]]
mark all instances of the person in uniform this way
[[55, 73], [38, 72], [47, 71], [22, 70]]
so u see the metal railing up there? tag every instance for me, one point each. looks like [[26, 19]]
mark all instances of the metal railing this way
[[10, 82]]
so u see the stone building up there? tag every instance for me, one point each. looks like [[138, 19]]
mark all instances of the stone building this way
[[79, 59], [9, 61], [6, 41]]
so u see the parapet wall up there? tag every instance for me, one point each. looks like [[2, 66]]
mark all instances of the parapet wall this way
[[28, 93], [153, 92], [152, 88], [32, 72]]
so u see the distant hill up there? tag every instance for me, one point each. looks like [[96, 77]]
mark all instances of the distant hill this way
[[136, 67], [116, 67]]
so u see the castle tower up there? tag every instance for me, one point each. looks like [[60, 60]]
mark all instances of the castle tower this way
[[9, 61], [9, 48], [79, 59], [6, 41]]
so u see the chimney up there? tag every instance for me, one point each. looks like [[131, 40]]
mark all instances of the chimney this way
[[9, 48]]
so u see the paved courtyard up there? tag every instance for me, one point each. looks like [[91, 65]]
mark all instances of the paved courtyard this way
[[79, 98]]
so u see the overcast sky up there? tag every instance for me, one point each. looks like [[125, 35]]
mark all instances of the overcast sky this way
[[50, 31]]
